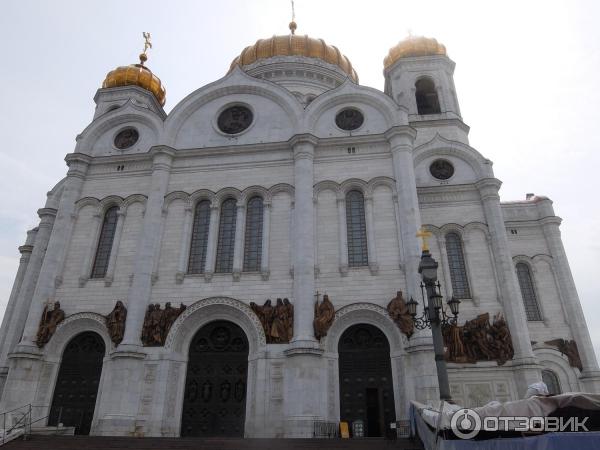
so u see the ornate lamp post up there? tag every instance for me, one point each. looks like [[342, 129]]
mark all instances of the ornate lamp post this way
[[434, 316]]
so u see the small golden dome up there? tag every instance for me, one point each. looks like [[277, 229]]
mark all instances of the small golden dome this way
[[136, 75], [414, 46], [294, 45]]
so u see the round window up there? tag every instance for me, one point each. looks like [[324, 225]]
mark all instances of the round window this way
[[235, 119], [126, 138], [349, 119], [441, 169]]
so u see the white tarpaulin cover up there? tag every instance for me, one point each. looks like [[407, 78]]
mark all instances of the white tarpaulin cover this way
[[530, 407]]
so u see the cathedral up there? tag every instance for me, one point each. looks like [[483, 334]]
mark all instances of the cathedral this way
[[246, 264]]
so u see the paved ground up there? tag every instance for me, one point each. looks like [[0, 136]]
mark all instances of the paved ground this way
[[112, 443]]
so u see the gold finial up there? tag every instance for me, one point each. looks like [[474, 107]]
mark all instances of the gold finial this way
[[147, 45], [424, 235], [293, 25]]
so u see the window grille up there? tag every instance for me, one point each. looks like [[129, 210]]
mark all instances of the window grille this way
[[199, 241], [458, 269], [356, 229], [532, 310], [226, 243], [105, 242], [253, 235]]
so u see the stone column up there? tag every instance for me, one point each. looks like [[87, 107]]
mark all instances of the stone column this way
[[141, 287], [526, 367], [305, 378], [124, 370], [61, 234], [401, 140], [590, 376], [112, 260], [371, 243], [184, 246], [342, 235], [304, 253], [264, 258], [6, 341], [238, 248], [213, 237]]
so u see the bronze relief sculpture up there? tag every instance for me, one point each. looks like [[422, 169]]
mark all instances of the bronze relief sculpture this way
[[568, 348], [478, 340], [48, 323], [158, 322], [277, 321], [115, 322], [398, 312], [324, 315]]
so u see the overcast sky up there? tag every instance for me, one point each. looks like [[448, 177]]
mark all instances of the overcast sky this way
[[526, 78]]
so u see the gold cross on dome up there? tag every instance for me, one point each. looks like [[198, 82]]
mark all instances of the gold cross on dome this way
[[147, 43], [424, 235]]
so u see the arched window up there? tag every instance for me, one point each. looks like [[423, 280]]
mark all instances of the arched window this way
[[356, 229], [199, 237], [551, 380], [253, 235], [226, 243], [458, 269], [427, 98], [532, 309], [105, 242]]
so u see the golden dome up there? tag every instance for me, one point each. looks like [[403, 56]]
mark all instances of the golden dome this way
[[294, 45], [414, 46], [136, 75]]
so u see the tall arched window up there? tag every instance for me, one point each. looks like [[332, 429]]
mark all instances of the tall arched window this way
[[105, 242], [551, 380], [532, 309], [427, 98], [226, 243], [253, 235], [458, 269], [199, 240], [356, 229]]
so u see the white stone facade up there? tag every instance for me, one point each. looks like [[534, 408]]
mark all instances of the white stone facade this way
[[302, 165]]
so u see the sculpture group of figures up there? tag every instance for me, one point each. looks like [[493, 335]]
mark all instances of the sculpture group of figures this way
[[50, 320], [398, 312], [478, 340], [324, 315], [568, 348], [115, 322], [277, 321], [157, 323]]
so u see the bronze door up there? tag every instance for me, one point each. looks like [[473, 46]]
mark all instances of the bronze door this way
[[366, 389], [77, 384], [214, 403]]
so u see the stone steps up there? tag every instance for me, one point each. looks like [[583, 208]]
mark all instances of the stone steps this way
[[118, 443]]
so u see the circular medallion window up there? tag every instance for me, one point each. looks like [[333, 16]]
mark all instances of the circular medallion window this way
[[349, 119], [441, 169], [126, 138], [234, 119]]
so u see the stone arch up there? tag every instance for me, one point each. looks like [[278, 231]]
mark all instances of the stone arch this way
[[71, 327], [128, 113], [225, 193], [326, 185], [199, 195], [176, 195], [134, 198], [108, 202], [440, 146], [208, 310], [281, 187], [376, 182], [368, 313], [551, 358], [353, 184], [255, 191]]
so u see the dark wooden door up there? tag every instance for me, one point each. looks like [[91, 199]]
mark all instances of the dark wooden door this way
[[77, 384], [215, 388], [366, 388]]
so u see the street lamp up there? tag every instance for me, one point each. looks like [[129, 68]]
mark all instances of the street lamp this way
[[434, 315]]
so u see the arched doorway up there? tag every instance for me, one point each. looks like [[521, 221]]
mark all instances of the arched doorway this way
[[77, 384], [366, 387], [214, 402]]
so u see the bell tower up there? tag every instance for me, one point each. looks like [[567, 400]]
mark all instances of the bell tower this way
[[419, 76]]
